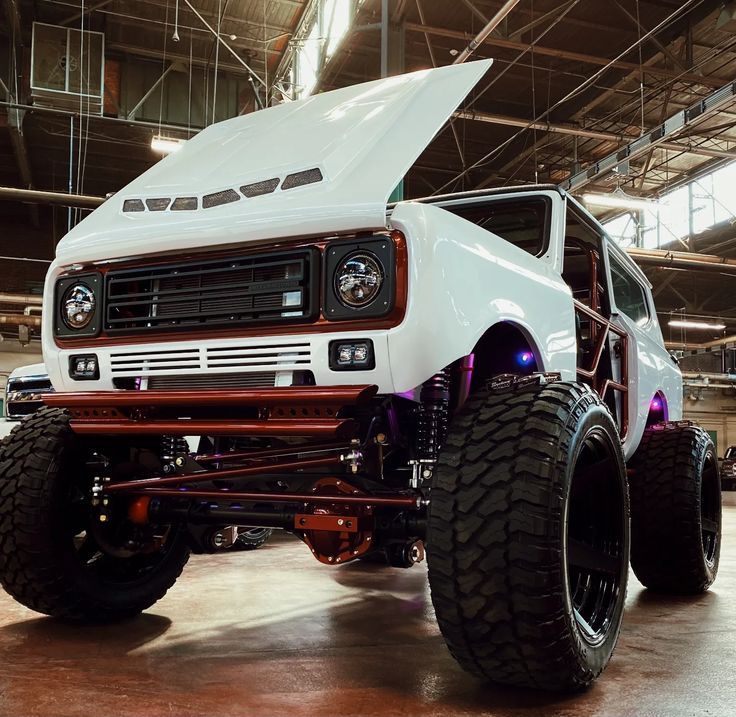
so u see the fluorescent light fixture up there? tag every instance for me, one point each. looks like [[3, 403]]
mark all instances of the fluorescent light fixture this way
[[166, 145], [621, 200], [682, 324]]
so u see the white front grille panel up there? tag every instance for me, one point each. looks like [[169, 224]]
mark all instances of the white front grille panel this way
[[211, 359]]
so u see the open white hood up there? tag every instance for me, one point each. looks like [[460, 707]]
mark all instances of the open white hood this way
[[354, 145]]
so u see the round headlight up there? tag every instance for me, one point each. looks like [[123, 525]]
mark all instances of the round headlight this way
[[358, 279], [78, 306]]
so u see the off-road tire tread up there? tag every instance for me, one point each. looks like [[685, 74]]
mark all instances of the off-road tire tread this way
[[666, 544], [494, 577], [251, 544], [29, 459]]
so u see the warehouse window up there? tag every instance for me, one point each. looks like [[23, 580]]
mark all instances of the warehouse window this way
[[682, 212], [330, 24]]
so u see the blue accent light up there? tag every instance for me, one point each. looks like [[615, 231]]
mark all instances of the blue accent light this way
[[525, 358]]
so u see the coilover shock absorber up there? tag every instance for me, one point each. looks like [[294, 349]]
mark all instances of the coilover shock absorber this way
[[171, 447], [432, 420]]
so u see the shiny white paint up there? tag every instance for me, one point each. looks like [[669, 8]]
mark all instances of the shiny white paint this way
[[462, 279], [31, 369], [452, 265], [363, 138], [651, 369]]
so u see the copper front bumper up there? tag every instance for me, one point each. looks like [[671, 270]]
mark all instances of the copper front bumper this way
[[308, 411]]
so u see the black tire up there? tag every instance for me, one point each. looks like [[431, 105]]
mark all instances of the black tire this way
[[251, 538], [675, 509], [507, 577], [47, 562]]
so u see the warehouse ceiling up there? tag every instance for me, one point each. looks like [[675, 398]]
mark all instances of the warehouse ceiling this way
[[572, 83]]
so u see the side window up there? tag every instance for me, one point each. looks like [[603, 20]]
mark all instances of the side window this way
[[628, 293], [522, 221]]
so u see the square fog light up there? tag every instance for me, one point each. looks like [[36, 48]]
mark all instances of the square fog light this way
[[356, 355], [84, 367]]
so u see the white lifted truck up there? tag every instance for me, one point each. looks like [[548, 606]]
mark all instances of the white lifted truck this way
[[481, 373]]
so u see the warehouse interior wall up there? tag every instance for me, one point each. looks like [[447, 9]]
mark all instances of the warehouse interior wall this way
[[716, 412]]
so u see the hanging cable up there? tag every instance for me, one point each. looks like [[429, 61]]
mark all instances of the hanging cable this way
[[189, 103], [175, 36], [80, 65], [217, 61], [163, 70], [534, 100], [80, 187], [641, 68], [687, 5]]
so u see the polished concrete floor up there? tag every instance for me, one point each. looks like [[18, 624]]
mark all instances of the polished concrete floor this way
[[276, 633]]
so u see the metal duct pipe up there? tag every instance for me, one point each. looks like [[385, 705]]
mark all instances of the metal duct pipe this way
[[682, 260], [20, 320], [23, 299], [696, 375], [724, 342], [36, 196], [478, 40], [717, 386], [588, 133]]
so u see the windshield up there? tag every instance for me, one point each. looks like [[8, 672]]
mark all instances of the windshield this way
[[522, 221]]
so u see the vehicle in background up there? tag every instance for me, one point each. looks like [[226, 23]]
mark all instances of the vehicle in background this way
[[728, 469], [24, 389]]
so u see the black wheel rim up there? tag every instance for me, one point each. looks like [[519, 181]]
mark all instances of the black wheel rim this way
[[595, 537], [93, 557], [710, 508]]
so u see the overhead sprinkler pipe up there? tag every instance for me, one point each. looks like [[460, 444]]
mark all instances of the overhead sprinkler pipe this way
[[35, 196], [20, 320], [493, 23], [22, 299]]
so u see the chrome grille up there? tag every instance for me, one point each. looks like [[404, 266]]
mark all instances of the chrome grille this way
[[23, 395], [261, 289]]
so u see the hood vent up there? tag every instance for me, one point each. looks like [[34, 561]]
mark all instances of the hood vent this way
[[158, 205], [217, 198], [299, 179], [184, 203], [258, 189], [226, 196], [133, 205]]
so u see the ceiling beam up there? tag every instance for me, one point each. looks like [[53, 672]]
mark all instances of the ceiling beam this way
[[576, 131], [682, 260], [77, 15], [689, 77], [696, 113]]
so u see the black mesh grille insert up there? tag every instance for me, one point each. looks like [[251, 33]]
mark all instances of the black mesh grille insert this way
[[184, 203], [260, 379], [299, 179], [224, 197], [258, 188], [133, 205], [256, 289], [158, 205]]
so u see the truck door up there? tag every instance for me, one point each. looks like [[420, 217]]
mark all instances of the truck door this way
[[601, 343]]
